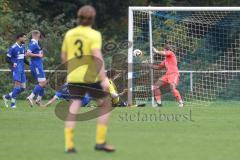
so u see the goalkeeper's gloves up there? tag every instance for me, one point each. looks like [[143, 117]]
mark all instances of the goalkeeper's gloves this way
[[114, 95], [155, 50]]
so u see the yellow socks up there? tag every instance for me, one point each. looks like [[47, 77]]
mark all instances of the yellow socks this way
[[101, 133], [100, 136], [69, 132]]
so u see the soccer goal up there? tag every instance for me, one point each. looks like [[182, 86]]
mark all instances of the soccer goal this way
[[206, 41]]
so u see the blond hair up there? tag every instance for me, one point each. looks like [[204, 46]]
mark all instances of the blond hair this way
[[35, 33]]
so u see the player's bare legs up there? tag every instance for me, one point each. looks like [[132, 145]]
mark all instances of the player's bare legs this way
[[70, 125], [174, 90], [157, 92], [176, 94], [102, 122]]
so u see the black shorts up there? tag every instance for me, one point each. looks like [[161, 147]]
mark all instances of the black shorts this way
[[78, 90]]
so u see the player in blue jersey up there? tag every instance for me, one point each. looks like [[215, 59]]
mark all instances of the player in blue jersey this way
[[63, 93], [36, 66], [16, 58]]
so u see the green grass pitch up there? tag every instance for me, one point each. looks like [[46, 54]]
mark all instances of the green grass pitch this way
[[207, 133]]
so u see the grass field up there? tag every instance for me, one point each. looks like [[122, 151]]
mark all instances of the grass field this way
[[199, 133]]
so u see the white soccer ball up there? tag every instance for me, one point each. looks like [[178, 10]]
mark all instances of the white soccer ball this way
[[137, 53]]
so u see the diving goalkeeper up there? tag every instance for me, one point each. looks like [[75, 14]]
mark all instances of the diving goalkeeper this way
[[63, 93], [116, 97], [171, 76]]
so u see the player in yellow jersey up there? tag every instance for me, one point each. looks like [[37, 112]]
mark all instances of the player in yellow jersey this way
[[116, 100], [113, 92], [81, 50]]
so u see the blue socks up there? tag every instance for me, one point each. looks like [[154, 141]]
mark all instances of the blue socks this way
[[8, 96], [40, 95], [16, 91], [22, 89], [37, 89]]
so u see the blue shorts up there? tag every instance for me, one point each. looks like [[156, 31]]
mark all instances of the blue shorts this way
[[19, 75], [78, 90], [37, 72], [61, 95], [85, 100]]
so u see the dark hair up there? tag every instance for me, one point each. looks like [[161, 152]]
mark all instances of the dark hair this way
[[111, 73], [20, 35], [167, 46], [86, 15]]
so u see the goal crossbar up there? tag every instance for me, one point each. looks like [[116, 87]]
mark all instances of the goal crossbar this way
[[139, 8]]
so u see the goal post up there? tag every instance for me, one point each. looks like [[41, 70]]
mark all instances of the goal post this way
[[130, 57], [203, 39], [151, 55]]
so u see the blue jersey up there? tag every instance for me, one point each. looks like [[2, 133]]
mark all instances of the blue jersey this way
[[35, 48], [36, 65], [17, 54], [63, 93]]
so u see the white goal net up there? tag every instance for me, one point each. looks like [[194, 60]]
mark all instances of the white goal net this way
[[206, 41]]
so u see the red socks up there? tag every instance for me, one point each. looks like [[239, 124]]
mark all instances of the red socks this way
[[176, 94]]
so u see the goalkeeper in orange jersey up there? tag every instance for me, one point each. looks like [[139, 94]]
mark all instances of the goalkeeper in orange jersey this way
[[171, 76]]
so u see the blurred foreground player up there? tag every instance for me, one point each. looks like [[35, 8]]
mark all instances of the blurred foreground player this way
[[81, 50]]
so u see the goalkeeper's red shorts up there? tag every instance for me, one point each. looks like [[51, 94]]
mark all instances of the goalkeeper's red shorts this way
[[172, 78]]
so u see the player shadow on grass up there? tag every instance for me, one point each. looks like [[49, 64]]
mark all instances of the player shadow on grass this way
[[62, 112], [62, 108]]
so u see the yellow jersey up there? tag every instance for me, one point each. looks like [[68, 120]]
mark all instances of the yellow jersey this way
[[78, 44], [113, 91]]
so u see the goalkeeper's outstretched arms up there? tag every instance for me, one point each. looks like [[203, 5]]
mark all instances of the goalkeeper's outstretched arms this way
[[164, 52], [158, 52], [154, 66]]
